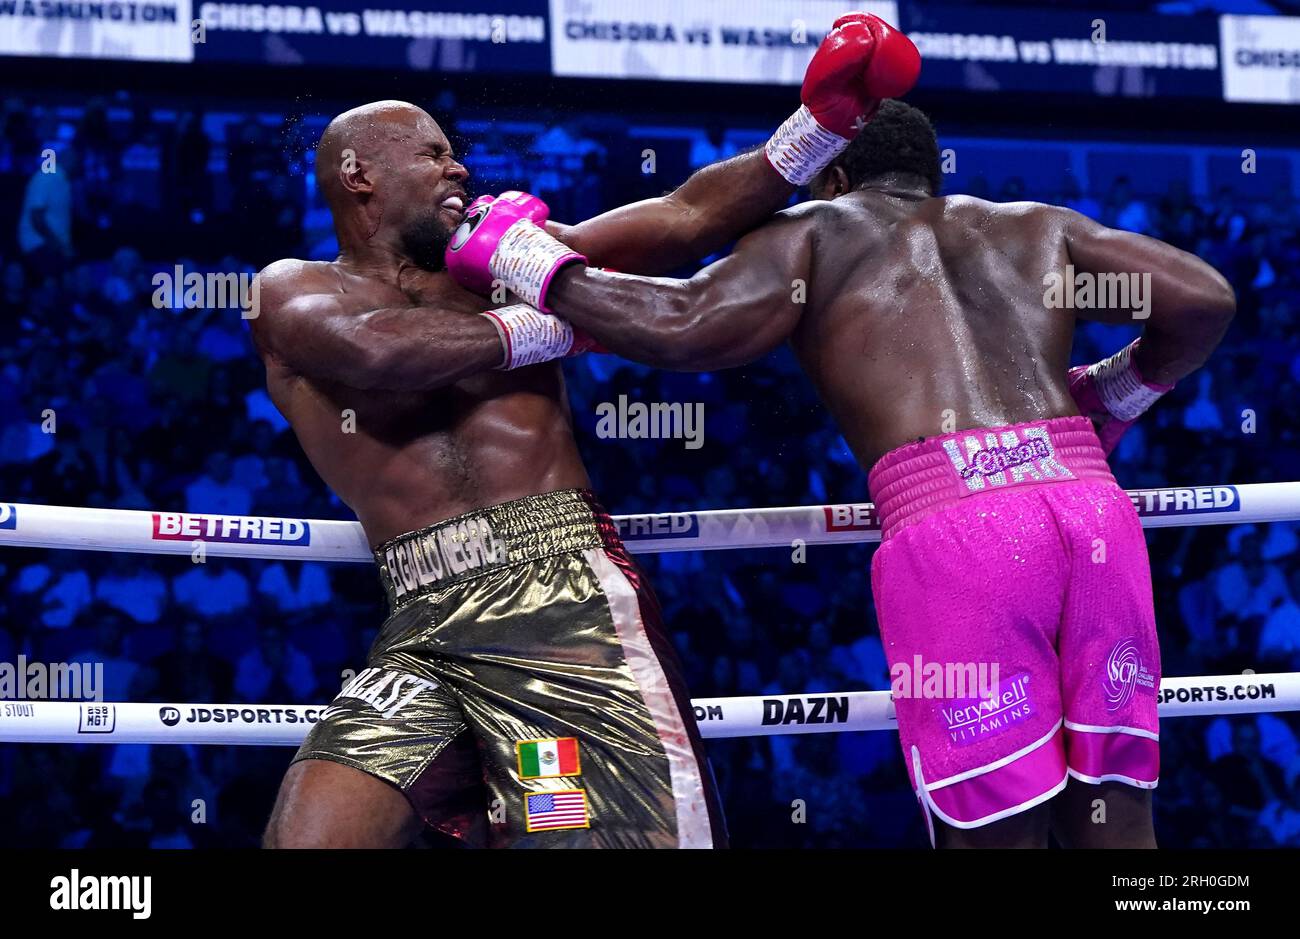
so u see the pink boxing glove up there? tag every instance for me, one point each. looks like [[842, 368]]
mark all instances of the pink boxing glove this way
[[501, 240], [1113, 394]]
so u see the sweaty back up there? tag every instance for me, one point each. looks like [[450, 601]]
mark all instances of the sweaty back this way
[[928, 316]]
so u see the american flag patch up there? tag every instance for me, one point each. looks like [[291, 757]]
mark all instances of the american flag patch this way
[[564, 808]]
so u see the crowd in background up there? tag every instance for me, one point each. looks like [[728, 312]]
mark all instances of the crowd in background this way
[[165, 409]]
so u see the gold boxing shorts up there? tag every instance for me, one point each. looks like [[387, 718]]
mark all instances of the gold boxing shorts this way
[[522, 692]]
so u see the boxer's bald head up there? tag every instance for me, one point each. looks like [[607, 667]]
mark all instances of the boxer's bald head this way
[[387, 171]]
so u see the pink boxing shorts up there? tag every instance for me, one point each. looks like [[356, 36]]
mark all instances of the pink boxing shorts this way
[[1014, 596]]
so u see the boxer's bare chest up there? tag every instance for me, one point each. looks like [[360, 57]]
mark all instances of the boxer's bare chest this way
[[393, 456]]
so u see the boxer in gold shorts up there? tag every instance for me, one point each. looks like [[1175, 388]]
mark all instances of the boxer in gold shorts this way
[[521, 692]]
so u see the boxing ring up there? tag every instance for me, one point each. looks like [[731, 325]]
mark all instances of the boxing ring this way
[[143, 532]]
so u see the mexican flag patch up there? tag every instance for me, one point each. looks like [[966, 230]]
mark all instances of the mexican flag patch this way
[[543, 759]]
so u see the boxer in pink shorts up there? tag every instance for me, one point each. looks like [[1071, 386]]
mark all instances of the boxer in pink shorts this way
[[1014, 547], [1007, 544]]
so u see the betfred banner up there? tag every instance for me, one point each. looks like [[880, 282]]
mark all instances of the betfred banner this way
[[1075, 51], [421, 35], [743, 41], [1261, 58], [97, 29]]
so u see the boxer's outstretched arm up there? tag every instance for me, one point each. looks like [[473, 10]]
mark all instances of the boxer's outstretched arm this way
[[1187, 309], [306, 327], [730, 313], [715, 206], [861, 61]]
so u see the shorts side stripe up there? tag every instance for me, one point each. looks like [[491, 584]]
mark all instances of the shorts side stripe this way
[[1116, 729], [996, 764], [693, 824]]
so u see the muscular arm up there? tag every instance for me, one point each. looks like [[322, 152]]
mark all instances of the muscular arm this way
[[861, 61], [1190, 303], [419, 348], [728, 314], [716, 205]]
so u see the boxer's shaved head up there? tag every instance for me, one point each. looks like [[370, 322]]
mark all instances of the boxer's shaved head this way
[[899, 141], [387, 169], [368, 132]]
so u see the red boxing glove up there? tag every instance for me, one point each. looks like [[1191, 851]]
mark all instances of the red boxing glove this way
[[861, 61]]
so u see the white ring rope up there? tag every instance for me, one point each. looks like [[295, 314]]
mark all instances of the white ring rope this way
[[42, 526], [50, 526], [287, 724]]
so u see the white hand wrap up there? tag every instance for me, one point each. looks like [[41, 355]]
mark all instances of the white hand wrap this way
[[801, 148], [530, 336], [525, 260], [1120, 386]]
